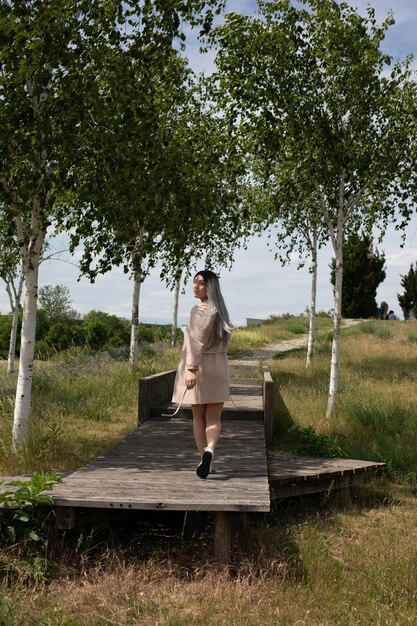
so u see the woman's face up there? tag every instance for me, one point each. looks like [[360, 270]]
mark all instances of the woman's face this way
[[199, 288]]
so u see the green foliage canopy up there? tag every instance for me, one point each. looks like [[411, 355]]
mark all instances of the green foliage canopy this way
[[310, 88], [55, 300], [155, 162]]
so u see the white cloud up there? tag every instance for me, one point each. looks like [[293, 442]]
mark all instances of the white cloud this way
[[401, 259]]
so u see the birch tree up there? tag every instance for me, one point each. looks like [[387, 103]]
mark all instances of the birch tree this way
[[120, 217], [277, 200], [39, 43], [177, 289], [12, 275], [314, 89], [137, 281], [170, 191], [51, 53]]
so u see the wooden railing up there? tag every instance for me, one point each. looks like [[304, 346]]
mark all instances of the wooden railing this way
[[157, 389], [154, 390], [268, 401]]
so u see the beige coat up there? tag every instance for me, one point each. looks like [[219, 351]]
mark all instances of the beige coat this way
[[213, 383]]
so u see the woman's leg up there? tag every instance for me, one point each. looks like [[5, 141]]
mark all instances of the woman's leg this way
[[206, 427], [213, 423], [199, 426], [207, 424]]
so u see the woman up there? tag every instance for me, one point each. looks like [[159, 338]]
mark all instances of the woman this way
[[202, 378]]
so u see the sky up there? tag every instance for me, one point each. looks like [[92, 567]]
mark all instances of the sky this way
[[257, 286]]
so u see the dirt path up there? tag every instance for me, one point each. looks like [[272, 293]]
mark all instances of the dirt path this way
[[269, 351], [284, 345]]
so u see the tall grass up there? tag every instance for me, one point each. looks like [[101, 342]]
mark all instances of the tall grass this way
[[280, 328], [318, 561], [376, 416], [306, 565], [82, 403]]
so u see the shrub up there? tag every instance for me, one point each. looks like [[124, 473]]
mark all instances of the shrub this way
[[26, 520], [59, 336], [43, 350], [305, 440]]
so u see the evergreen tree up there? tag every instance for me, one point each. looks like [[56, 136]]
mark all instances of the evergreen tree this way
[[408, 300], [363, 271]]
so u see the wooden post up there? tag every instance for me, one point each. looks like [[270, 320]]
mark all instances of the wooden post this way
[[240, 523], [154, 390], [65, 517], [223, 537], [268, 401]]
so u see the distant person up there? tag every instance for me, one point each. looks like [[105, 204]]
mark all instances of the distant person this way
[[391, 316], [202, 378], [383, 311]]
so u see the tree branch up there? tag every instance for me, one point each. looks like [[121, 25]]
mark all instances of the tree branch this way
[[353, 201], [326, 213]]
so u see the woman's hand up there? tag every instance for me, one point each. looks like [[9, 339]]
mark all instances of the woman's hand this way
[[190, 379]]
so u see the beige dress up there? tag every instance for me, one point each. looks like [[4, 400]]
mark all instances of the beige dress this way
[[213, 384]]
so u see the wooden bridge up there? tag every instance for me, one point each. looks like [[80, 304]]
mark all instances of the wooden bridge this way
[[153, 468]]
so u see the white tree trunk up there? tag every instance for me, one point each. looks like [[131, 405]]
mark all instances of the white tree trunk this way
[[312, 328], [134, 330], [15, 323], [175, 310], [337, 322], [137, 279], [30, 254], [27, 343]]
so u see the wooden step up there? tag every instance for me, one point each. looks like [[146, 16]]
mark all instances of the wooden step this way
[[253, 382], [248, 371], [228, 413]]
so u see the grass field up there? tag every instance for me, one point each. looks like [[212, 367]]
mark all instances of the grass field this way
[[316, 560]]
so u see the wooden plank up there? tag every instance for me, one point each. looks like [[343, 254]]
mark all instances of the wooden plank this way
[[4, 480], [65, 517], [321, 485], [248, 382], [229, 412], [282, 465], [291, 475], [244, 370], [154, 468]]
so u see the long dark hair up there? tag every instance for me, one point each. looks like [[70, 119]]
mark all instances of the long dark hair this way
[[223, 326]]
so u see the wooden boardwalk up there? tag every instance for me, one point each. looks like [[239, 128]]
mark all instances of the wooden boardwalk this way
[[290, 475], [153, 468]]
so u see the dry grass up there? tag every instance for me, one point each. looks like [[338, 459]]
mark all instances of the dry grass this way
[[81, 405], [376, 415], [316, 561], [311, 565], [245, 339]]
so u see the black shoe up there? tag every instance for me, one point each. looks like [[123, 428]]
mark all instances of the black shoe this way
[[203, 470]]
